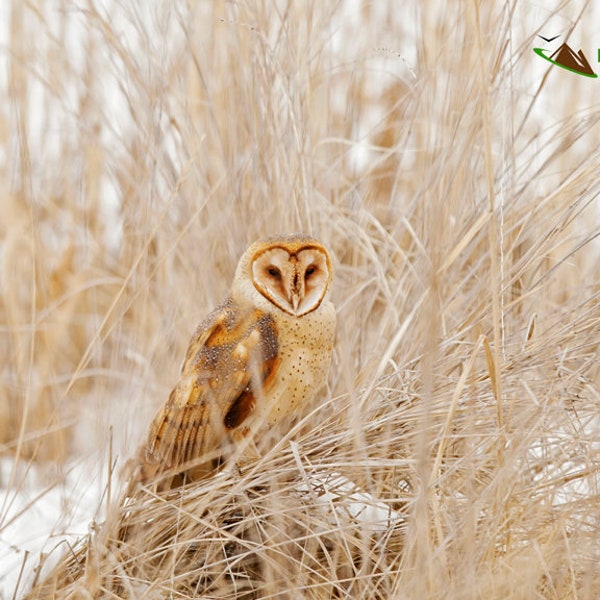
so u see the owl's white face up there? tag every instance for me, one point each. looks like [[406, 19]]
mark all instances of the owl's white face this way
[[295, 279]]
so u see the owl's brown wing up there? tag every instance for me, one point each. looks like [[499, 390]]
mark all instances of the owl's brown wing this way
[[231, 360]]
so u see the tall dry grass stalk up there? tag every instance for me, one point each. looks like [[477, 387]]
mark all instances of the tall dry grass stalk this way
[[454, 177]]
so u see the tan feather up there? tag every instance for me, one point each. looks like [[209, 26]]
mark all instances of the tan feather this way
[[232, 353]]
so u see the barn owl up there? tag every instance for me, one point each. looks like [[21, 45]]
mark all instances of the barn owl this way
[[257, 360]]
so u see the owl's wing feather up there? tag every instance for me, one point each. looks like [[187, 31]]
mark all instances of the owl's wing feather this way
[[231, 359]]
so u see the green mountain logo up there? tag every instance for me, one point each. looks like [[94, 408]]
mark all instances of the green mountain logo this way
[[566, 58]]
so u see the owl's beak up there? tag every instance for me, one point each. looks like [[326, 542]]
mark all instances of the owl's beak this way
[[296, 300], [296, 292]]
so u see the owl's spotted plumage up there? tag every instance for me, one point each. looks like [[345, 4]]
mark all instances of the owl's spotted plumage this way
[[258, 359]]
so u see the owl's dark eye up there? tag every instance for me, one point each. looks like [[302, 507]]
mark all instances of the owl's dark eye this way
[[310, 271], [274, 272]]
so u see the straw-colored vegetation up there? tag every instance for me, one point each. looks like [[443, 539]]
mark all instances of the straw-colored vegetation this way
[[453, 175]]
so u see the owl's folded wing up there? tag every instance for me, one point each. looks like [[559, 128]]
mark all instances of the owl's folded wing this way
[[230, 361]]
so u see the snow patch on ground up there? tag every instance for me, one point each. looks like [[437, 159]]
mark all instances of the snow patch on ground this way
[[42, 511]]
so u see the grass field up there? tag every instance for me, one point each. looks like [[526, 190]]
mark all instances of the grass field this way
[[454, 176]]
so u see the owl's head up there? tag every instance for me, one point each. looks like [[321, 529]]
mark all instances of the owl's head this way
[[292, 272]]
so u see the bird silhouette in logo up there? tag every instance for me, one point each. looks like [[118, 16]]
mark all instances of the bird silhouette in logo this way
[[549, 39]]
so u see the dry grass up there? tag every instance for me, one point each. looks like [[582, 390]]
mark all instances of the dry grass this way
[[454, 177]]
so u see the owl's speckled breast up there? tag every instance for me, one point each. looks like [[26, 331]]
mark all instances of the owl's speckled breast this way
[[305, 353]]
